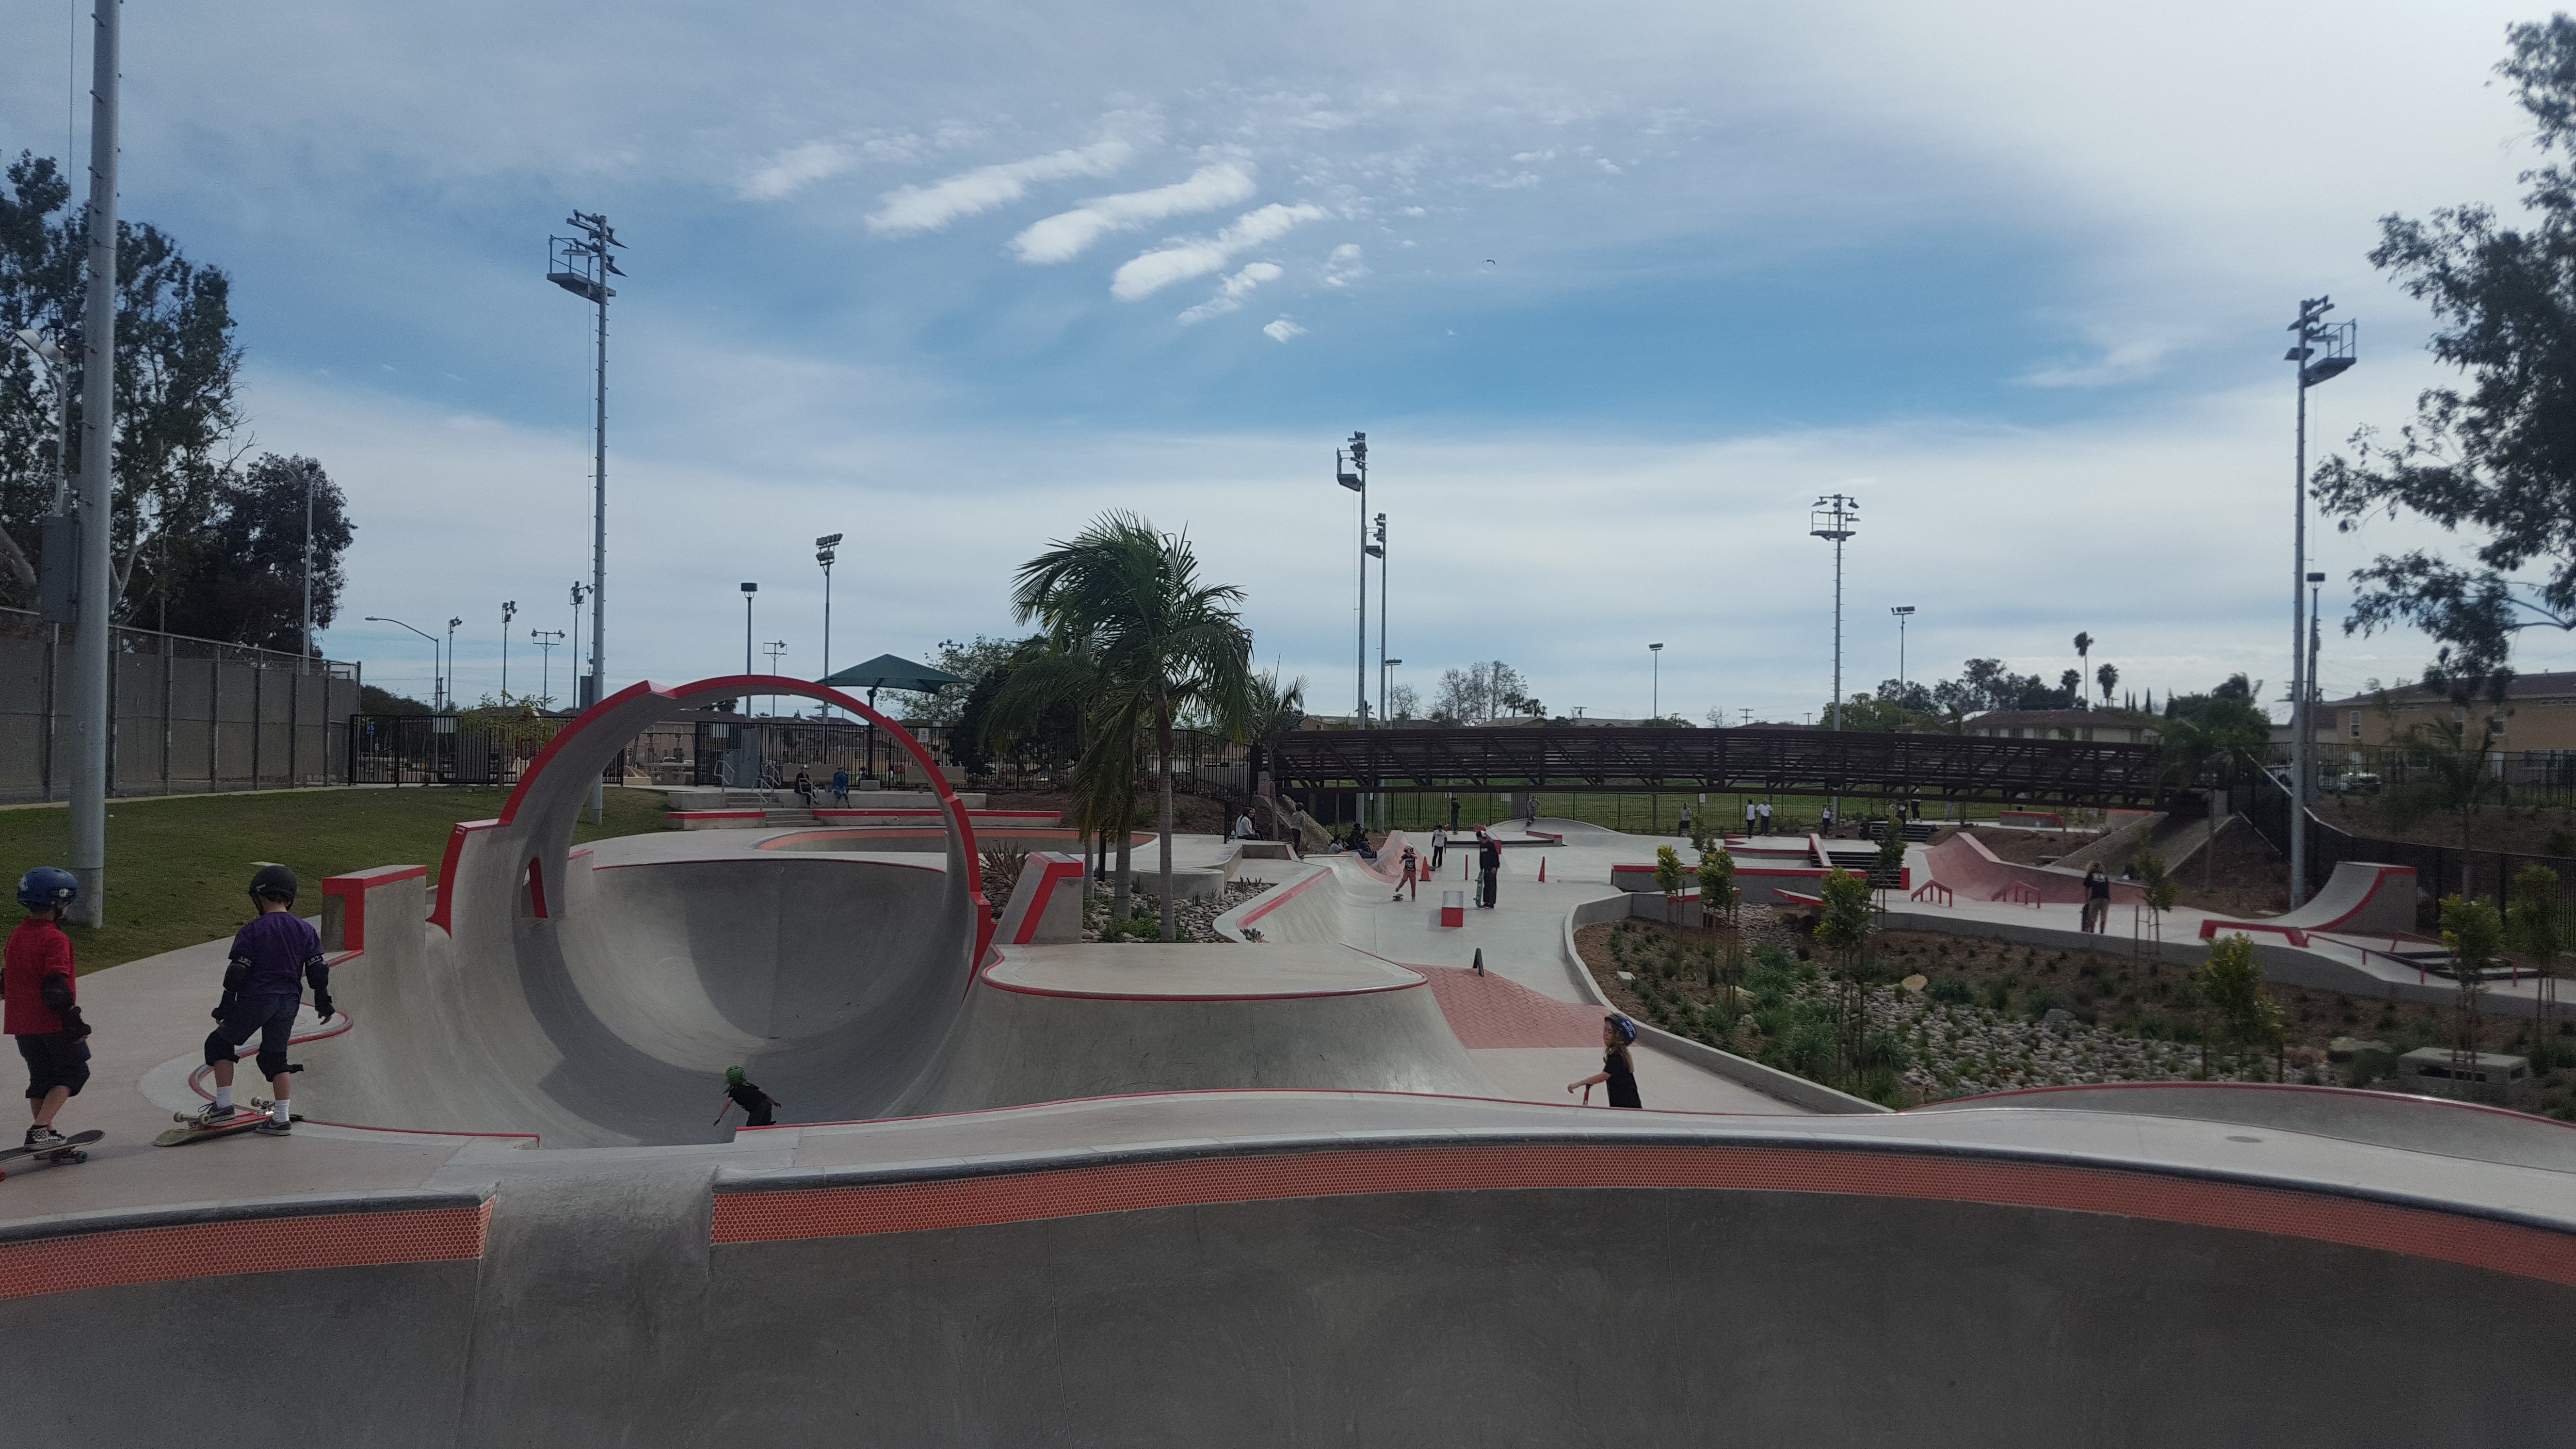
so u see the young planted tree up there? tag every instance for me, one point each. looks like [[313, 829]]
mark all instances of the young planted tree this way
[[2473, 932], [1843, 928], [1889, 872], [1161, 645], [2231, 990], [1717, 892], [1668, 878], [2535, 929], [2161, 888]]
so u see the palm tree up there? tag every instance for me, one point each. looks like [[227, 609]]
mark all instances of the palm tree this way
[[2083, 661], [2109, 677], [1158, 644]]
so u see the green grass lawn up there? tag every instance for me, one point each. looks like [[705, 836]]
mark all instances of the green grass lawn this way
[[178, 869]]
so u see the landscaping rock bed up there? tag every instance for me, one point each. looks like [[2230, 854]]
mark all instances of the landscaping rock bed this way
[[1197, 917]]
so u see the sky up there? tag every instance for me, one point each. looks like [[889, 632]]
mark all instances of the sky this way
[[1615, 291]]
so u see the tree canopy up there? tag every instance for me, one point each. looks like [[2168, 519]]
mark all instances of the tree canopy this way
[[2495, 458]]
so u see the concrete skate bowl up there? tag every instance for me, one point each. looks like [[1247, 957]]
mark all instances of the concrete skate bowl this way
[[599, 1007]]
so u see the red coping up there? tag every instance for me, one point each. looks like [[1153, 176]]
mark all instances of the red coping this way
[[352, 890], [865, 1209], [224, 1249], [1496, 1011], [1275, 899]]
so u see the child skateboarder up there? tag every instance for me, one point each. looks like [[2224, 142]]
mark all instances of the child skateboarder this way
[[264, 980], [1412, 876], [756, 1104], [43, 1006]]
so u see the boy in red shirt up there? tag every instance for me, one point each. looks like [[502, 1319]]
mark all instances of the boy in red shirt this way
[[42, 1000]]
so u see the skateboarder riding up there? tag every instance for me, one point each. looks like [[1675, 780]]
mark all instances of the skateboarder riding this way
[[264, 980], [756, 1104], [43, 1007]]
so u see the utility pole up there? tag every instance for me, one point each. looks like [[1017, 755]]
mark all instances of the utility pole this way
[[546, 640], [2321, 352], [97, 582], [1835, 518]]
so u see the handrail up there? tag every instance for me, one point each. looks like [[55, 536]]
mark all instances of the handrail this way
[[2020, 893], [1931, 888]]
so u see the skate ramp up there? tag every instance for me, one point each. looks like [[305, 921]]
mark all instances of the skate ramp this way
[[832, 982]]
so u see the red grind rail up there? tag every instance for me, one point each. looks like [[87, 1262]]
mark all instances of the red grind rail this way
[[242, 1245]]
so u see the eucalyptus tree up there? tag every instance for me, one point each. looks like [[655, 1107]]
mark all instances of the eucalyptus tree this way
[[1154, 644]]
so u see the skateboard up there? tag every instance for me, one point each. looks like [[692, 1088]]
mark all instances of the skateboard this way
[[72, 1149], [242, 1120]]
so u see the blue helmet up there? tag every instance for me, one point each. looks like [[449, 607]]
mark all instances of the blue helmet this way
[[47, 886], [1627, 1029]]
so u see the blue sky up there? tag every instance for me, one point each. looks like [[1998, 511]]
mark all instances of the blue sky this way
[[952, 281]]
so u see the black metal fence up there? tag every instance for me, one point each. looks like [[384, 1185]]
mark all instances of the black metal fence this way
[[2521, 779], [447, 749]]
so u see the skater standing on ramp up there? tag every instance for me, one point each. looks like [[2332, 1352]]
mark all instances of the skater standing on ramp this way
[[2097, 898], [756, 1104], [264, 980], [43, 1010], [1489, 858], [1439, 846], [1616, 1069]]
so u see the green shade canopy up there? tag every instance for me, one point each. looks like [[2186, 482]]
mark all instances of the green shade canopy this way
[[888, 672]]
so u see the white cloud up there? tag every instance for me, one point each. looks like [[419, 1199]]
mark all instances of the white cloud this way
[[1229, 296], [1282, 330], [796, 169], [928, 208], [1154, 270], [2120, 362], [1344, 267], [1063, 236]]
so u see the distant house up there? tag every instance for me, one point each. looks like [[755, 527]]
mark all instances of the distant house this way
[[2106, 726], [2539, 714]]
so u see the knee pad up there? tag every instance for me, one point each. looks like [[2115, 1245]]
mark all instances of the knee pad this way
[[219, 1050], [272, 1064]]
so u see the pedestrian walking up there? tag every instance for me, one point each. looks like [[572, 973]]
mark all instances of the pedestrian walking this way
[[1766, 817], [1617, 1032], [1439, 846], [272, 958], [43, 1001], [1752, 814], [1412, 876], [2097, 898], [1685, 821]]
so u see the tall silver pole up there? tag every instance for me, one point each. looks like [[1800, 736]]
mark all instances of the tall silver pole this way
[[598, 686], [2299, 639], [300, 664], [97, 488]]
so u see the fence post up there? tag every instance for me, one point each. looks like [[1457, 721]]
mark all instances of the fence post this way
[[258, 716]]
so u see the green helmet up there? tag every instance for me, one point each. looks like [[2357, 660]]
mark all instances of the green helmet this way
[[733, 1076]]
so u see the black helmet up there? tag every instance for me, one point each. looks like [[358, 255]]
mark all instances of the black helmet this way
[[274, 882]]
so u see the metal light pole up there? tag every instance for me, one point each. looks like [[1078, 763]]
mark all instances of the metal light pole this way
[[1835, 518], [1386, 686], [1350, 469], [433, 653], [2322, 352], [453, 624], [1902, 612], [582, 266], [826, 549], [1377, 550], [2316, 582], [1655, 652], [546, 640], [509, 611], [748, 589], [773, 648], [581, 692], [97, 488]]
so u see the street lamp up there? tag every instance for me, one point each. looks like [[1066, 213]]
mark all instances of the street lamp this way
[[437, 684], [748, 589], [580, 691], [826, 549], [2323, 352], [773, 648], [509, 611], [453, 624], [1902, 612], [1655, 652], [546, 640]]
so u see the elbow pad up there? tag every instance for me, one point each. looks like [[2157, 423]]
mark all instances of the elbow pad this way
[[55, 992], [318, 972], [236, 974]]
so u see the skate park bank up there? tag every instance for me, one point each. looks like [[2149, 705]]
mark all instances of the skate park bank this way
[[1325, 1186]]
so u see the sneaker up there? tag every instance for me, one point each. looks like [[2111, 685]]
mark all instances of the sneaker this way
[[209, 1115], [43, 1137], [274, 1128]]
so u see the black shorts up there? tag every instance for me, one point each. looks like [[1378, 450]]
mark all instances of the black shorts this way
[[54, 1062], [270, 1018]]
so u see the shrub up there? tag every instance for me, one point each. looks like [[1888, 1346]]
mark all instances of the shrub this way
[[1951, 991]]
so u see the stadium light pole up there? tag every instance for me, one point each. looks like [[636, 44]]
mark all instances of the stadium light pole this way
[[91, 645], [2322, 352], [1902, 612], [1655, 706], [826, 549], [1835, 518], [1377, 550], [435, 682], [1350, 469], [580, 692]]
